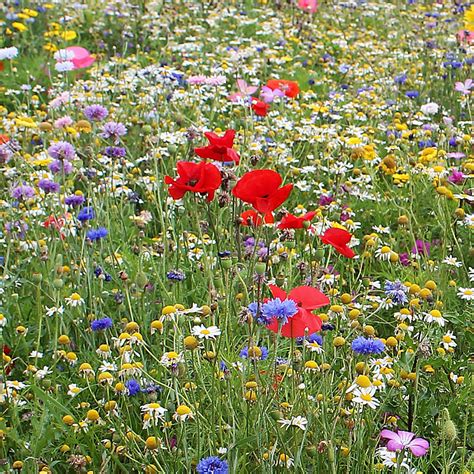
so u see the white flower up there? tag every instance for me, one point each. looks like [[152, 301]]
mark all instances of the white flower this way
[[365, 396], [206, 333], [36, 354], [53, 310], [42, 373], [3, 321], [449, 340], [434, 316], [452, 261], [73, 390], [298, 421], [466, 294], [8, 53], [431, 108], [63, 55], [64, 66], [74, 300]]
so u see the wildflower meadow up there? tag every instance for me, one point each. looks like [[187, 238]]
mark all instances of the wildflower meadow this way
[[236, 236]]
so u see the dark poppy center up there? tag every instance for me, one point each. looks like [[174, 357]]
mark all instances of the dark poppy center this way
[[192, 182]]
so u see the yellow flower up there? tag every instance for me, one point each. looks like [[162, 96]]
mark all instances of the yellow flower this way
[[19, 26], [469, 19], [68, 35]]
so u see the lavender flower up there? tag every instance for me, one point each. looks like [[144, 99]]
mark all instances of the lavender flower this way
[[113, 130], [95, 112], [49, 186], [59, 166], [115, 152], [75, 200], [23, 191], [62, 151]]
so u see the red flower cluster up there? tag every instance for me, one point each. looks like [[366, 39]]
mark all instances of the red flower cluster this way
[[219, 148], [261, 189], [289, 88], [201, 177], [260, 108], [339, 238], [304, 321]]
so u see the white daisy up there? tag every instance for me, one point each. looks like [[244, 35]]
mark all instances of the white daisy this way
[[206, 333], [466, 294]]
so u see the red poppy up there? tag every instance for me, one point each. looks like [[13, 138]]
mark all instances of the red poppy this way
[[219, 148], [4, 139], [260, 108], [304, 321], [338, 238], [200, 177], [2, 67], [251, 217], [293, 222], [261, 189], [289, 88]]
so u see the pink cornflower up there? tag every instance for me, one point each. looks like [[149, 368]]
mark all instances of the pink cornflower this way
[[405, 439]]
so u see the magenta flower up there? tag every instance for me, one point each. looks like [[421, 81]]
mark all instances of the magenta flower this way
[[405, 439]]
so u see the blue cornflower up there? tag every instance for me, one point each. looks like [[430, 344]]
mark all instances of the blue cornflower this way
[[412, 94], [212, 465], [396, 291], [133, 387], [175, 275], [86, 214], [281, 310], [315, 337], [367, 346], [257, 353], [401, 79], [101, 324], [97, 234]]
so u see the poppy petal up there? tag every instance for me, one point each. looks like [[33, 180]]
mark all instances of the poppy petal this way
[[308, 297]]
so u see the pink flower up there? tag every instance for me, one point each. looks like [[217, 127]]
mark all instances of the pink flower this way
[[464, 36], [310, 6], [82, 57], [245, 90], [405, 439], [464, 87], [268, 95]]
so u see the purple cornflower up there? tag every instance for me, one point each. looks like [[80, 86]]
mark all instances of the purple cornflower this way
[[16, 229], [59, 166], [281, 310], [49, 186], [115, 152], [86, 214], [367, 346], [97, 234], [23, 191], [75, 200], [421, 247], [113, 130], [396, 291], [101, 324], [95, 112], [212, 465], [133, 387], [258, 353], [62, 151]]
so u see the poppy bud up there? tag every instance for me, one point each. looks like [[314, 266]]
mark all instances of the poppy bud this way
[[226, 263], [448, 428], [260, 268], [37, 277], [58, 283]]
